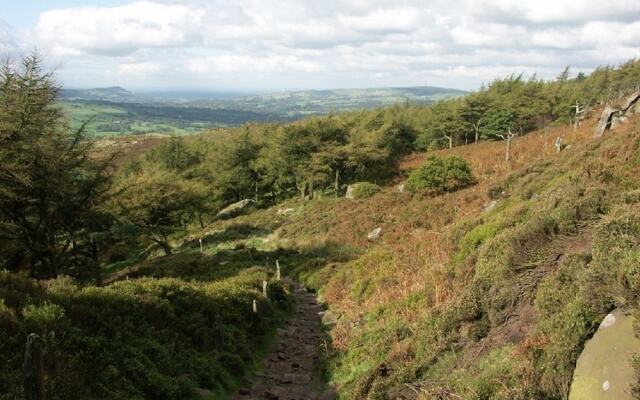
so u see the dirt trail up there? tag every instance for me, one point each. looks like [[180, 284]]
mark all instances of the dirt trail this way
[[291, 369]]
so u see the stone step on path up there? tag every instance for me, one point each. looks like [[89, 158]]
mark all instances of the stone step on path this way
[[291, 370]]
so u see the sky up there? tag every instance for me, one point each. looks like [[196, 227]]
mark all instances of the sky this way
[[247, 45]]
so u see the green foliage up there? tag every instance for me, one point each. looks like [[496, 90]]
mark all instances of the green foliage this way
[[159, 204], [50, 188], [566, 322], [174, 155], [141, 339], [439, 175], [364, 190]]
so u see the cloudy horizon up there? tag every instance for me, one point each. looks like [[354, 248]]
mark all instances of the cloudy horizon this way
[[246, 45]]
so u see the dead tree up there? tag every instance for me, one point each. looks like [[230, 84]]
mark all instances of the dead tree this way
[[579, 115], [33, 369], [508, 138], [450, 139]]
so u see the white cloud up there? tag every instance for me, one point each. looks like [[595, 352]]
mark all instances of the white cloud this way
[[336, 43], [239, 64], [117, 30], [8, 43], [139, 68]]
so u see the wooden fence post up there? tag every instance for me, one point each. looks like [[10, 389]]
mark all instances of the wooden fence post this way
[[33, 369]]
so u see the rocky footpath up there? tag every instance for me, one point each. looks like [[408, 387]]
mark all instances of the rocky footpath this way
[[291, 370]]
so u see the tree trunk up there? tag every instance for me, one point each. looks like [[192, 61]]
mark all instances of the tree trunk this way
[[508, 157], [477, 133], [256, 191], [200, 221], [166, 248], [33, 369], [337, 182]]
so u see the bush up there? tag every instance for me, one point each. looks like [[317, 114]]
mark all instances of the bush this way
[[138, 339], [439, 175], [364, 190]]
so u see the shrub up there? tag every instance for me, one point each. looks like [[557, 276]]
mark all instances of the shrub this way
[[439, 175], [364, 190]]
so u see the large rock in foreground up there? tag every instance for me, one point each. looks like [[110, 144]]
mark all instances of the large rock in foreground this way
[[236, 209], [604, 122], [605, 369]]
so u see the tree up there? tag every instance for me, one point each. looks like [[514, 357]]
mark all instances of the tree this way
[[49, 186], [174, 155], [446, 125], [495, 123], [158, 204], [473, 109]]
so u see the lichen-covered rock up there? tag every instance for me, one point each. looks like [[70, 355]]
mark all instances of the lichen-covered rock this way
[[630, 101], [374, 234], [604, 122], [605, 369], [235, 209]]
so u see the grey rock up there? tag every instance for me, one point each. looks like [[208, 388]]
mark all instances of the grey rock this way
[[374, 234], [492, 204], [235, 209], [285, 211], [630, 101], [617, 120], [604, 122], [329, 318], [350, 190]]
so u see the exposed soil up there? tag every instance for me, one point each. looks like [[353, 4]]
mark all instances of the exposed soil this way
[[291, 370]]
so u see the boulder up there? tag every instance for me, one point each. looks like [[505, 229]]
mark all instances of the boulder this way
[[617, 120], [374, 234], [491, 205], [285, 211], [630, 102], [235, 209], [605, 369], [604, 122], [329, 318], [350, 190]]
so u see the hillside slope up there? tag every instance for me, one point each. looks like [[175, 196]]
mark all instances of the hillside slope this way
[[487, 292]]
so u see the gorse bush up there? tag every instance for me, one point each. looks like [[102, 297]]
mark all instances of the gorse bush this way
[[439, 175], [364, 190]]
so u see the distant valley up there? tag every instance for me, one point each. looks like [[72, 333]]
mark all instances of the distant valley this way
[[117, 111]]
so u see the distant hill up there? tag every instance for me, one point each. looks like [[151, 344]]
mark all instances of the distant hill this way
[[296, 104], [114, 94], [117, 111]]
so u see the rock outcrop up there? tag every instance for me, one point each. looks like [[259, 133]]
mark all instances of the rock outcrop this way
[[235, 209], [612, 117], [605, 369], [604, 122], [629, 102]]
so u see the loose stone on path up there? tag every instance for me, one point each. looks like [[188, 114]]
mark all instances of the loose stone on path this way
[[291, 369]]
